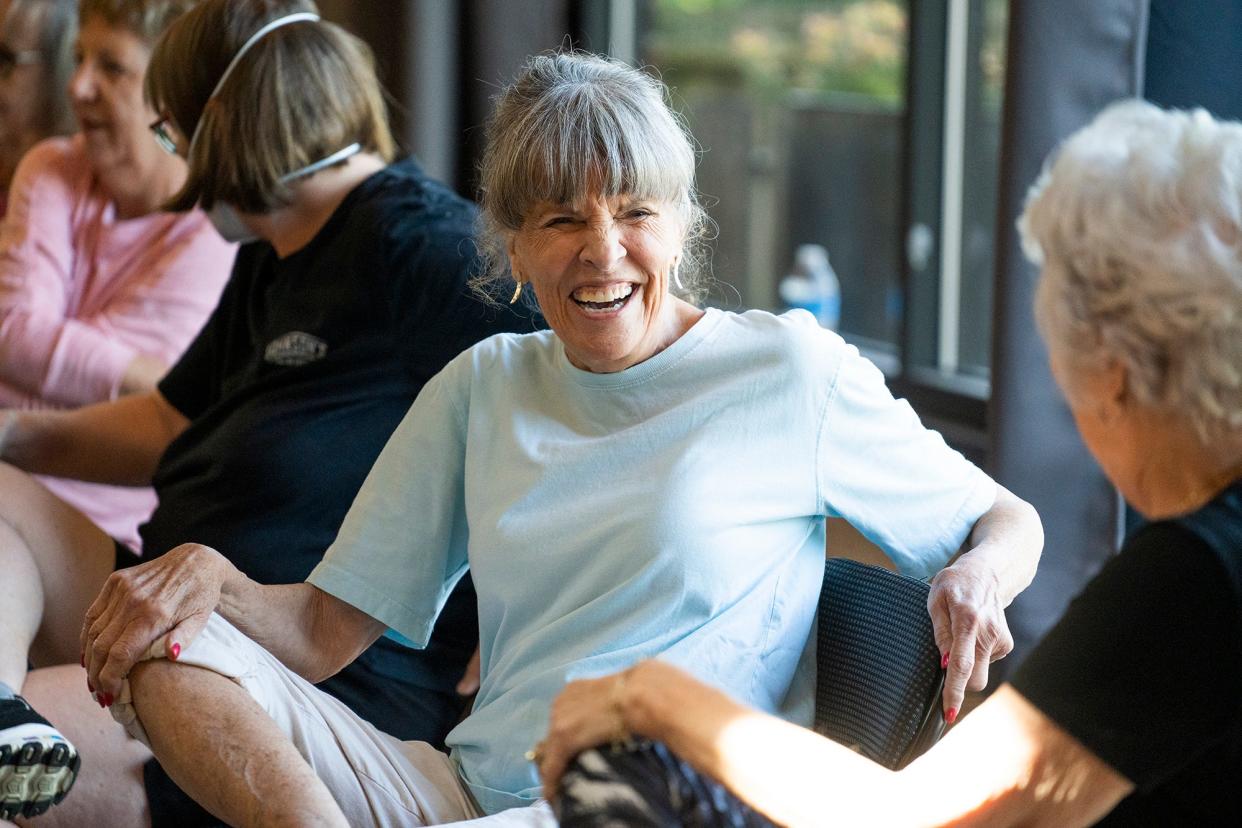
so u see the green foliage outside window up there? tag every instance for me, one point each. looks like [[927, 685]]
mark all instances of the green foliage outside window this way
[[854, 46]]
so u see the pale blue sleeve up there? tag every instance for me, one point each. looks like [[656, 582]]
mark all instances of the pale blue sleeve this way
[[402, 546], [896, 481]]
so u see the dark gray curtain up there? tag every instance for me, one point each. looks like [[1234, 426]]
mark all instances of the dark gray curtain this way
[[498, 36], [1194, 55], [1067, 59], [442, 61]]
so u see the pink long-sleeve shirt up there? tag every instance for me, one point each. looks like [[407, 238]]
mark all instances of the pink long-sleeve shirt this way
[[83, 292]]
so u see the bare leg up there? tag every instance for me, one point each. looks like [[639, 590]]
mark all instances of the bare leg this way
[[54, 561], [225, 751], [109, 789]]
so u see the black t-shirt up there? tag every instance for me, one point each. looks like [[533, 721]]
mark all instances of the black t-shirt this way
[[1145, 668], [294, 386]]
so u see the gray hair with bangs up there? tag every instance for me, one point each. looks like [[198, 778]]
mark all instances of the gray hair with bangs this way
[[575, 125]]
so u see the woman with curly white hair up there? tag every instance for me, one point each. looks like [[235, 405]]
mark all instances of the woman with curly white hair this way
[[1128, 712]]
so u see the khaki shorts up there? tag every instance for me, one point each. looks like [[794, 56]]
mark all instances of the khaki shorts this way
[[376, 779]]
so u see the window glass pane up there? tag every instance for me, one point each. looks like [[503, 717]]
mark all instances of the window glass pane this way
[[798, 108], [985, 92]]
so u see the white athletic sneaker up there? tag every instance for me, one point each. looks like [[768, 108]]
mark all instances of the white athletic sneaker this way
[[37, 764]]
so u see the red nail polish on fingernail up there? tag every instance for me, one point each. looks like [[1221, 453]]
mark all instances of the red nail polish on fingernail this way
[[951, 715], [176, 650], [107, 699], [99, 701], [944, 661], [90, 686]]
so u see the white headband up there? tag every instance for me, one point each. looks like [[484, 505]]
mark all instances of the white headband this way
[[300, 17], [335, 158]]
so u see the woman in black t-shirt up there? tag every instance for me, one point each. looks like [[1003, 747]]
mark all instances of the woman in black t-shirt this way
[[1130, 711], [352, 295]]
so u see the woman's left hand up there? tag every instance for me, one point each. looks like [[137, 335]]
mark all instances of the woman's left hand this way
[[587, 713], [968, 617]]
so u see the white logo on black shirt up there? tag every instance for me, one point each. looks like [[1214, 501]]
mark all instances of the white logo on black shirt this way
[[295, 348]]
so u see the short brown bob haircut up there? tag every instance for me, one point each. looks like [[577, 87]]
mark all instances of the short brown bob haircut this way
[[301, 93], [145, 18]]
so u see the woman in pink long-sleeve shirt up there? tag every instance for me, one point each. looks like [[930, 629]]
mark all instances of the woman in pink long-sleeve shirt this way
[[99, 290]]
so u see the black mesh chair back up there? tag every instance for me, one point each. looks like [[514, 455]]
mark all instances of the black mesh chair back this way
[[879, 667]]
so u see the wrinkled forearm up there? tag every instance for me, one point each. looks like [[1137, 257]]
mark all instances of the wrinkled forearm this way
[[789, 773], [119, 442], [1006, 542], [312, 633], [1006, 764]]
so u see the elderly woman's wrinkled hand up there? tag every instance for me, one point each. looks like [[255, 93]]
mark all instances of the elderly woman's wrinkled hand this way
[[585, 714], [164, 602], [968, 617]]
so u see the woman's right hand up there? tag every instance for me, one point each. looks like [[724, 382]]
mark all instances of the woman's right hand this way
[[167, 600]]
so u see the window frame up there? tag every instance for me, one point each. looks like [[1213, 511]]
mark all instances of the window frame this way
[[955, 403]]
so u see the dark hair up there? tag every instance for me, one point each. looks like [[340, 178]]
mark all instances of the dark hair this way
[[146, 18], [301, 93]]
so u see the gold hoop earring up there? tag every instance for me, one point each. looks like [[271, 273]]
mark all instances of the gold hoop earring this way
[[517, 292]]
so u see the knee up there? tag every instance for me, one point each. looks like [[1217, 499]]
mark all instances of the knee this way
[[149, 687], [161, 686], [162, 698], [11, 480], [28, 508], [152, 679], [16, 480], [159, 683], [157, 687]]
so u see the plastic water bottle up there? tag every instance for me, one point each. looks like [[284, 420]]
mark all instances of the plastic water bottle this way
[[813, 285]]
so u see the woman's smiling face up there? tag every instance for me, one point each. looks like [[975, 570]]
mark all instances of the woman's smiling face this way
[[601, 270], [106, 91]]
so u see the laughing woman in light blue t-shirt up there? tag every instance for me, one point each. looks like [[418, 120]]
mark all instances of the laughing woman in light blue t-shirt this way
[[645, 480]]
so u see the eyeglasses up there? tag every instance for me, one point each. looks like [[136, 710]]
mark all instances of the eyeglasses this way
[[163, 135], [10, 59]]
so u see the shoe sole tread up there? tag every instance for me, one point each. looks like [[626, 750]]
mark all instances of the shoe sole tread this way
[[35, 774]]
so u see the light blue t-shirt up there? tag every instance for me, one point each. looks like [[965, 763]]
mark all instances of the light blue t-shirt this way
[[665, 510]]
